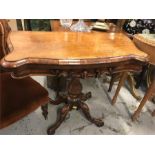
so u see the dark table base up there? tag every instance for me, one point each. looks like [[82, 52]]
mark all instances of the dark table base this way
[[73, 100]]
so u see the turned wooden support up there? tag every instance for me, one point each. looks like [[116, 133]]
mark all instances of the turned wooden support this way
[[121, 83], [148, 95]]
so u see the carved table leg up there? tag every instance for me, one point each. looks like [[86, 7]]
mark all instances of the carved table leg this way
[[85, 109], [45, 110], [74, 100], [58, 101], [61, 117], [144, 100], [121, 82]]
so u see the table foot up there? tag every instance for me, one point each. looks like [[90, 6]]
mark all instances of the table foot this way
[[61, 117], [85, 109], [73, 100]]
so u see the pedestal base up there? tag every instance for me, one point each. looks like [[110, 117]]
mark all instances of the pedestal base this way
[[73, 100]]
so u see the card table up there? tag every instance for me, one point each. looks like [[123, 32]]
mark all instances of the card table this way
[[73, 55]]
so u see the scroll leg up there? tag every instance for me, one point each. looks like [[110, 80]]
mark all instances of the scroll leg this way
[[57, 101], [121, 82], [85, 110], [144, 100], [45, 110], [61, 117]]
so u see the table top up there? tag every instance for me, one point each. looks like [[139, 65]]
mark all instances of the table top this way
[[71, 48]]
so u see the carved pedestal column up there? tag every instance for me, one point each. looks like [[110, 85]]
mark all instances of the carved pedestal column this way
[[73, 100]]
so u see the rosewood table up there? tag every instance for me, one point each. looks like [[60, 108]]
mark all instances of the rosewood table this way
[[73, 55]]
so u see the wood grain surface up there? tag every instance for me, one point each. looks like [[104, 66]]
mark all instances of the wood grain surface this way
[[70, 48]]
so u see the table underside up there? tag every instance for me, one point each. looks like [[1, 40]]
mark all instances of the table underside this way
[[74, 98]]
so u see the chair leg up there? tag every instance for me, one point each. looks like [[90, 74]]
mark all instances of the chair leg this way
[[121, 82], [141, 77], [145, 98], [115, 77], [131, 83], [111, 83], [44, 109]]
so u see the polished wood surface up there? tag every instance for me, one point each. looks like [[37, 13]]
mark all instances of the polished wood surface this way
[[70, 48]]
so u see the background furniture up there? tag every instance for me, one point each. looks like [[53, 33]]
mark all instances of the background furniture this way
[[56, 26], [131, 27], [146, 43], [18, 97], [119, 24], [73, 61], [150, 92], [140, 26], [34, 24]]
